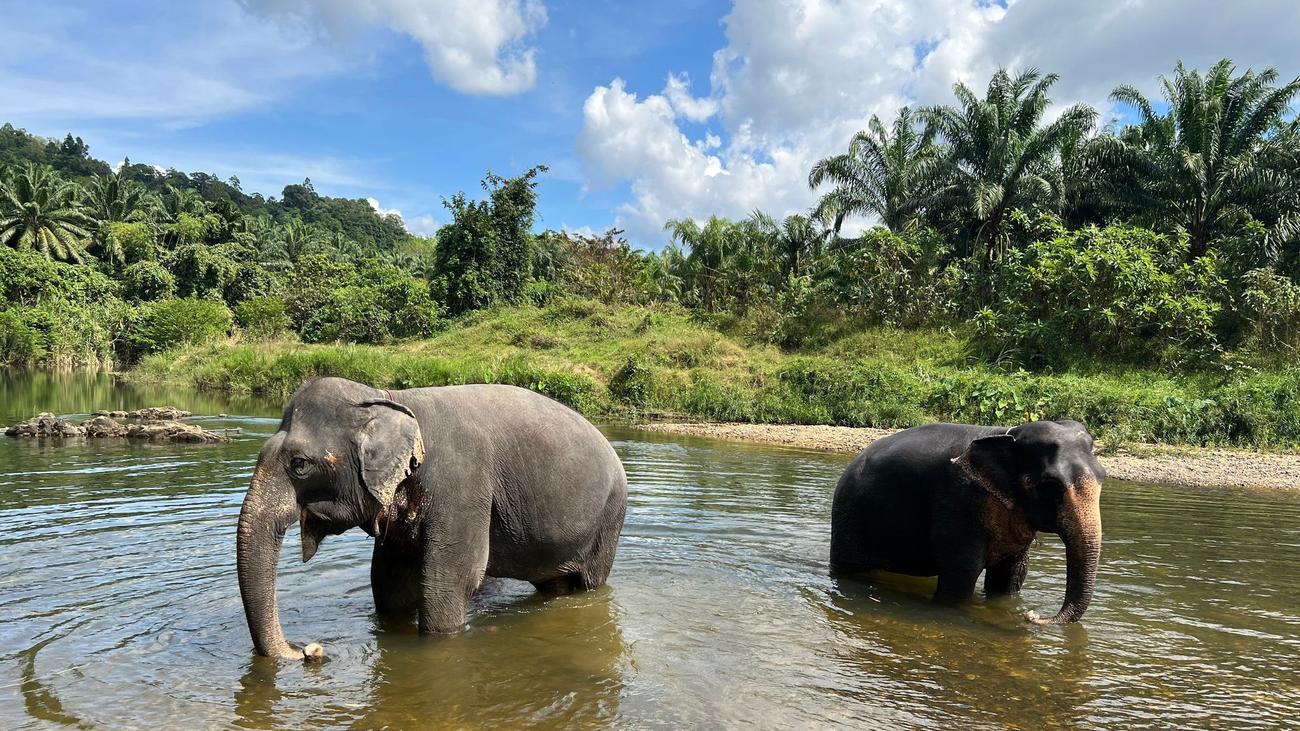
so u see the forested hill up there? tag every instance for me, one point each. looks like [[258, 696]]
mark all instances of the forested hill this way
[[353, 220]]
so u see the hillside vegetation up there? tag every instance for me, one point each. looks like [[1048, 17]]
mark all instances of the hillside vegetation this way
[[1144, 278]]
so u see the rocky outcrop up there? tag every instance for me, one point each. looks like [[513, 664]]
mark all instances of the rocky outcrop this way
[[45, 424], [154, 426]]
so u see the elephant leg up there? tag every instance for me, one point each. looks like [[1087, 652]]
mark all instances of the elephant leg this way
[[1008, 575], [455, 563], [958, 575], [561, 585], [395, 580]]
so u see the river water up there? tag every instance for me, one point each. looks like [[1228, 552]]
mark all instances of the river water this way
[[119, 606]]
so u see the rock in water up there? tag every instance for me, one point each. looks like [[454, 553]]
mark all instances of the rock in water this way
[[45, 425], [102, 426]]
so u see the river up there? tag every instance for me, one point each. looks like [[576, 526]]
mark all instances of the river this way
[[119, 606]]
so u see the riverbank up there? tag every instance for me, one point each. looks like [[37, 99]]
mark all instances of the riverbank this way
[[639, 364], [1150, 464]]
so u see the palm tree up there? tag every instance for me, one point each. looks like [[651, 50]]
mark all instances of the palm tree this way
[[796, 241], [1219, 154], [999, 156], [114, 199], [712, 250], [884, 174], [298, 239], [177, 201], [41, 211]]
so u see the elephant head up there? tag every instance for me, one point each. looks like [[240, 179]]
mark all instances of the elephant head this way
[[335, 463], [1047, 470]]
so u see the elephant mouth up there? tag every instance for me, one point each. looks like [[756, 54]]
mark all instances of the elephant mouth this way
[[313, 529]]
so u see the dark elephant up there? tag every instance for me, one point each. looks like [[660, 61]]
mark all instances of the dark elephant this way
[[454, 483], [952, 500]]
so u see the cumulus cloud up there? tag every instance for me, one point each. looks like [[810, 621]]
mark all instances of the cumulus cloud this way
[[796, 78], [473, 46], [374, 203], [422, 225]]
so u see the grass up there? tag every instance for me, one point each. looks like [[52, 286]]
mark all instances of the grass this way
[[628, 362]]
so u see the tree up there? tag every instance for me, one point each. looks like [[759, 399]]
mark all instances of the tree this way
[[713, 251], [297, 239], [1218, 156], [999, 157], [181, 201], [41, 211], [884, 174], [114, 199], [485, 255], [796, 242]]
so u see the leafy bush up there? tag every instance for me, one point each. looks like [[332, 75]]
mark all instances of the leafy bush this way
[[899, 280], [56, 334], [146, 281], [633, 383], [351, 314], [137, 241], [309, 285], [28, 278], [162, 325], [20, 344], [1270, 306], [1120, 293], [262, 318]]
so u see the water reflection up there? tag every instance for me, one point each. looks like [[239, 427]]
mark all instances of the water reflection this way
[[956, 666], [566, 663]]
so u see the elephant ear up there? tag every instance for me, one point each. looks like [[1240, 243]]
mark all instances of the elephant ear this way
[[990, 462], [389, 448]]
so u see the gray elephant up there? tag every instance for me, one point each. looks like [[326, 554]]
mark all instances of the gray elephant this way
[[454, 483], [953, 501]]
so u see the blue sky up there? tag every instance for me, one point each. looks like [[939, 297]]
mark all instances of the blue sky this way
[[643, 111]]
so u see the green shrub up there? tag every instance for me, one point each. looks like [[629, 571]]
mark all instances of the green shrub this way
[[899, 280], [309, 286], [28, 278], [146, 281], [20, 344], [136, 240], [1119, 293], [262, 318], [351, 314], [633, 383], [1270, 307], [168, 323]]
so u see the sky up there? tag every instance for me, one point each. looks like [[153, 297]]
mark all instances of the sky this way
[[642, 111]]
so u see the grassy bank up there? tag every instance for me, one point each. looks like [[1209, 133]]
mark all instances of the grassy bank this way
[[634, 362]]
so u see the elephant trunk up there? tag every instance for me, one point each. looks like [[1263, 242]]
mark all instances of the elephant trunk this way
[[1080, 530], [269, 509]]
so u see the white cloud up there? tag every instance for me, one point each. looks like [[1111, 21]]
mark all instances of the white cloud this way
[[678, 91], [473, 46], [422, 225], [374, 203], [183, 66], [797, 78]]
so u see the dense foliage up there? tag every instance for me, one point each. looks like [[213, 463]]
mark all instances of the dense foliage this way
[[1035, 239]]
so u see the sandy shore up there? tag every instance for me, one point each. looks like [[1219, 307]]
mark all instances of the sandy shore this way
[[1185, 466]]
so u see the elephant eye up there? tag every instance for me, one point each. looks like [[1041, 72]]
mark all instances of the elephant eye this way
[[298, 466]]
